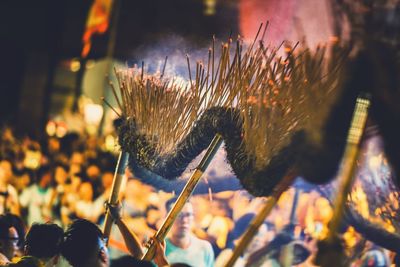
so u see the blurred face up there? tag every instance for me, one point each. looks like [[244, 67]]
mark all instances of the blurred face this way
[[183, 223], [25, 180], [6, 171], [77, 158], [86, 191], [107, 179], [8, 246], [74, 168], [45, 181], [93, 171], [60, 175]]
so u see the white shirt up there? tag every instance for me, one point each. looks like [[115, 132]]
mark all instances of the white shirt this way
[[37, 200]]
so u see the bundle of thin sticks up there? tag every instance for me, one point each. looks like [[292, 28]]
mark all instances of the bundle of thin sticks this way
[[276, 95]]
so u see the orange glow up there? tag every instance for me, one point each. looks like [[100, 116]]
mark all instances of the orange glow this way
[[97, 23], [253, 12]]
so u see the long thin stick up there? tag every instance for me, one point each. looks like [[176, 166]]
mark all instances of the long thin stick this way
[[184, 196], [348, 165], [163, 69], [259, 219], [330, 252], [111, 107], [116, 186]]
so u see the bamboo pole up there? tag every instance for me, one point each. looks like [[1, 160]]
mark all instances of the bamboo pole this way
[[184, 196], [116, 186], [348, 165], [330, 252], [259, 219]]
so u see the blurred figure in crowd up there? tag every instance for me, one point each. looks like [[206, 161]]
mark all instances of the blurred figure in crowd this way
[[84, 245], [133, 244], [8, 240], [241, 226], [8, 193], [42, 246], [86, 207], [182, 246], [37, 197]]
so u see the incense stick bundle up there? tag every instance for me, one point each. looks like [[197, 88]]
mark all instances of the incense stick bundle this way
[[272, 112]]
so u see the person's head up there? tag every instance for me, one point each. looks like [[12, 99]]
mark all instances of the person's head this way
[[183, 223], [19, 225], [6, 170], [8, 237], [84, 245], [24, 178], [44, 176], [77, 158], [107, 179], [93, 171], [130, 261], [86, 191], [60, 173], [43, 241]]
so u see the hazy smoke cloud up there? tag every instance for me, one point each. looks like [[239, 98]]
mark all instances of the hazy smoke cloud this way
[[176, 48]]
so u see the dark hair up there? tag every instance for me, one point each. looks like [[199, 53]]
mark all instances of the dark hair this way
[[130, 261], [107, 161], [92, 161], [81, 240], [5, 225], [44, 240], [59, 164], [43, 170], [19, 225]]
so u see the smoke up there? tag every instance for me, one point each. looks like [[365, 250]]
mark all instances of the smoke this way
[[176, 48]]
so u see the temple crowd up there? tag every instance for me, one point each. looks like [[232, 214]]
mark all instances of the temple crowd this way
[[52, 207]]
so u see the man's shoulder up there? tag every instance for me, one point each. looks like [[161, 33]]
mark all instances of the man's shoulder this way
[[201, 242]]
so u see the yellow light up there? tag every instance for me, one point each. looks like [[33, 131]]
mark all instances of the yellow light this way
[[210, 9], [51, 128], [75, 65], [110, 143], [61, 130], [93, 113]]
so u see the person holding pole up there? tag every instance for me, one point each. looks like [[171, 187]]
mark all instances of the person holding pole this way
[[132, 241]]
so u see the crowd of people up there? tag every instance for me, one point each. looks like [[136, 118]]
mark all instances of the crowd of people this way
[[52, 205]]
